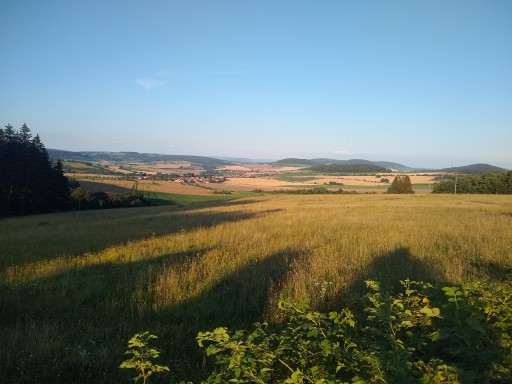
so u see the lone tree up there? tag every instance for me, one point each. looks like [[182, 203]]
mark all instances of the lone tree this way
[[401, 184], [29, 181]]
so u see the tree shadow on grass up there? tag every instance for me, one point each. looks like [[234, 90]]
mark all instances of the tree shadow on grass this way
[[78, 322], [236, 301], [462, 328], [491, 271], [235, 201], [73, 326], [389, 269], [92, 231]]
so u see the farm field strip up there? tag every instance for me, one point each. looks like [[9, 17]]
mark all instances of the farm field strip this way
[[148, 185]]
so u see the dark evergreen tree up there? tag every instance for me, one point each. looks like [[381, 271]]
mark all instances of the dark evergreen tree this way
[[25, 134], [9, 132], [29, 183], [60, 186]]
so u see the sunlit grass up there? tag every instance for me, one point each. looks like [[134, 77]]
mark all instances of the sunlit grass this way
[[75, 286]]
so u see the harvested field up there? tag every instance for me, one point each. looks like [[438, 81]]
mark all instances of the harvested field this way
[[261, 168], [145, 185], [94, 186], [356, 183], [361, 184], [249, 184]]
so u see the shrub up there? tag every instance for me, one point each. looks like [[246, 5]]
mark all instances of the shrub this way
[[401, 184], [142, 357], [423, 334]]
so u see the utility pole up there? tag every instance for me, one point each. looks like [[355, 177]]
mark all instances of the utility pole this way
[[455, 182]]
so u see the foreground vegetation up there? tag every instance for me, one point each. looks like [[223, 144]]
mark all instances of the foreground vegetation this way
[[82, 283], [423, 334]]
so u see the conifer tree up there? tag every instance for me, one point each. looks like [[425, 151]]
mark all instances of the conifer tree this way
[[28, 181], [25, 134]]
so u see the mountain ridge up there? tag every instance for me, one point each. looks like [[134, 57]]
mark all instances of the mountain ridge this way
[[211, 162], [92, 156]]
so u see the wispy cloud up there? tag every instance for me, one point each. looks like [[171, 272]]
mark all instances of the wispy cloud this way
[[159, 79], [149, 83]]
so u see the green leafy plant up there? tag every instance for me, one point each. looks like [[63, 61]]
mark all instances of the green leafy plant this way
[[142, 357], [422, 334]]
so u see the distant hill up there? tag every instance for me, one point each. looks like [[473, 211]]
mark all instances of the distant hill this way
[[475, 169], [210, 163], [395, 166], [296, 162], [245, 160], [336, 161], [123, 157], [348, 168], [387, 165]]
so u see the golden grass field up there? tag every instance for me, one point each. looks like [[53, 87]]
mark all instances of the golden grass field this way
[[75, 286]]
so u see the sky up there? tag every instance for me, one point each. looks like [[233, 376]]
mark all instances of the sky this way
[[422, 83]]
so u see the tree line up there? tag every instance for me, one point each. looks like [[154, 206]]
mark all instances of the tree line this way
[[82, 199], [489, 183], [29, 181]]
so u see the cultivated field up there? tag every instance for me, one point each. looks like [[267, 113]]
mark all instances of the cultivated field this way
[[144, 185], [74, 287], [355, 183]]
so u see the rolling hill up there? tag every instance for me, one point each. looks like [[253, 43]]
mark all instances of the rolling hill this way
[[475, 169], [207, 163], [326, 161], [210, 163], [296, 162], [349, 168], [388, 165]]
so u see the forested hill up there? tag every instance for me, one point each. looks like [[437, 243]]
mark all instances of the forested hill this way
[[120, 157], [295, 161], [361, 165], [475, 169], [349, 168], [359, 162]]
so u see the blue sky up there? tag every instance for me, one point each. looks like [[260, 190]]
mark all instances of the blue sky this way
[[424, 83]]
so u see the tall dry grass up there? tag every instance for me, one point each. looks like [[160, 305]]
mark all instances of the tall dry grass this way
[[74, 288]]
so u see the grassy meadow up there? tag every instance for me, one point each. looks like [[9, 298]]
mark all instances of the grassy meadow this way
[[74, 287]]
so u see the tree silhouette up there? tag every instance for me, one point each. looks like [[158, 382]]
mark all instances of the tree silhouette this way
[[401, 184], [29, 182]]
